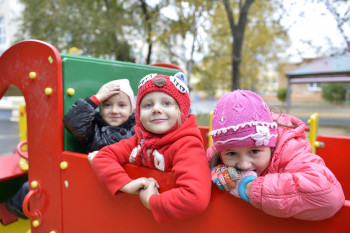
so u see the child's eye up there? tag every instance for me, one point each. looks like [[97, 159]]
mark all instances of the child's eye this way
[[167, 103], [230, 153], [147, 105], [106, 105], [255, 151]]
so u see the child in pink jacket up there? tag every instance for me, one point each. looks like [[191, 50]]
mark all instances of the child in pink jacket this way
[[265, 159], [167, 139]]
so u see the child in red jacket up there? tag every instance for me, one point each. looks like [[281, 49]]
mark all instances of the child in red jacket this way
[[168, 139]]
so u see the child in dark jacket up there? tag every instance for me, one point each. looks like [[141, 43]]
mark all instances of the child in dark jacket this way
[[113, 121], [94, 127]]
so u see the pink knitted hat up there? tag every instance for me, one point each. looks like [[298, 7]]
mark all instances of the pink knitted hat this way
[[172, 85], [242, 119]]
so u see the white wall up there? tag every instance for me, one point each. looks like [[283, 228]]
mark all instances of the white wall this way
[[10, 10]]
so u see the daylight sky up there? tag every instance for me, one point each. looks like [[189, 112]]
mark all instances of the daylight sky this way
[[316, 24]]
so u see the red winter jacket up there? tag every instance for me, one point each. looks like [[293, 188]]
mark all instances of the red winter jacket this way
[[180, 152]]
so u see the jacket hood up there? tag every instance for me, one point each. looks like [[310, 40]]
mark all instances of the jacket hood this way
[[289, 127]]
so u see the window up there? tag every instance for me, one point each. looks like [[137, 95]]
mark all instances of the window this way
[[314, 86], [2, 31]]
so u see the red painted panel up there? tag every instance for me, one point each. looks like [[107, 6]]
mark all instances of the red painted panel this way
[[44, 120], [9, 167], [89, 207], [336, 154], [204, 133]]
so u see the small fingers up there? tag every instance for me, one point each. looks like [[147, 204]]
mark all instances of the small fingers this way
[[154, 185], [91, 156], [151, 179], [112, 87]]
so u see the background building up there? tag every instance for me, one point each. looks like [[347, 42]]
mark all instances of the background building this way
[[10, 11]]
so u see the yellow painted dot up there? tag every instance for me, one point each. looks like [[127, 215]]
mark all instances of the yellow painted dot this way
[[48, 91], [32, 75], [34, 184], [70, 91], [63, 165], [36, 223], [50, 59]]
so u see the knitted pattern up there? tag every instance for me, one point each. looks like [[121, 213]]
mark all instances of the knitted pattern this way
[[175, 87], [242, 119], [172, 85], [126, 88]]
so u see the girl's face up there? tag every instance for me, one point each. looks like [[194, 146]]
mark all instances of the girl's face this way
[[159, 112], [247, 158], [117, 109]]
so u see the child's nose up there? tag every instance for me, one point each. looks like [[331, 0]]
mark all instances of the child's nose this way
[[244, 164], [115, 109], [157, 108]]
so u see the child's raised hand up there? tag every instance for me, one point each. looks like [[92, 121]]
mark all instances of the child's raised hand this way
[[134, 186], [145, 194], [107, 91]]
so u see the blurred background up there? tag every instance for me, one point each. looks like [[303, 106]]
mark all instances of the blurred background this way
[[294, 53]]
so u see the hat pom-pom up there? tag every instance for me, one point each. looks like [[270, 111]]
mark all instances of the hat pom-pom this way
[[181, 76]]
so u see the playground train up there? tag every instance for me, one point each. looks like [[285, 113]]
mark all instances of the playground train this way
[[66, 196]]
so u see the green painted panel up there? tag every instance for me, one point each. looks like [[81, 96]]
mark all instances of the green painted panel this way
[[86, 75]]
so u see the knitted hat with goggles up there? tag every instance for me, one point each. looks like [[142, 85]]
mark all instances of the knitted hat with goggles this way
[[242, 119], [172, 85]]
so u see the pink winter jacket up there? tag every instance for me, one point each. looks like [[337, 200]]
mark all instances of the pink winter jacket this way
[[296, 183]]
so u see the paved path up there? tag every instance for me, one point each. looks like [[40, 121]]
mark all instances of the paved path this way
[[9, 136]]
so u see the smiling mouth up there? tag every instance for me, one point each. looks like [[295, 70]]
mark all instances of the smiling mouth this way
[[158, 120]]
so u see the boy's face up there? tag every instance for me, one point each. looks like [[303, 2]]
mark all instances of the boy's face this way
[[159, 112], [247, 158], [117, 109]]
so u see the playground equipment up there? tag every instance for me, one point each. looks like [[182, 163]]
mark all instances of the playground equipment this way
[[66, 196]]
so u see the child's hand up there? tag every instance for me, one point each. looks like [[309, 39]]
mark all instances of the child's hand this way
[[235, 182], [133, 187], [243, 184], [145, 194], [91, 156], [107, 91], [224, 177]]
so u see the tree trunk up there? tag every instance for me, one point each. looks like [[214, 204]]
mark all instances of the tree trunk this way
[[237, 32], [149, 30]]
